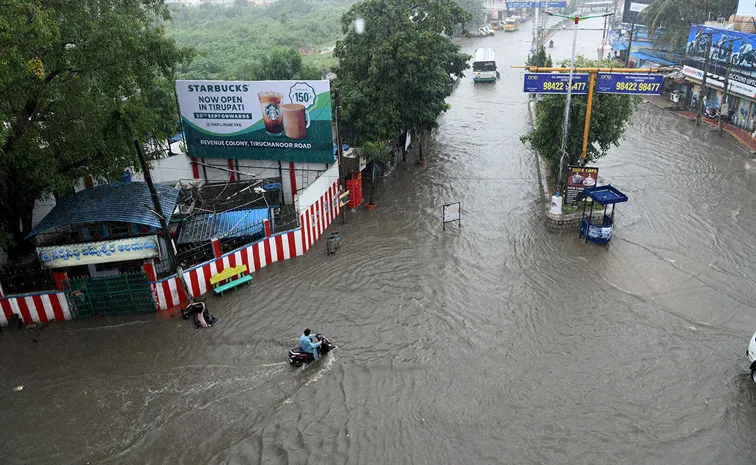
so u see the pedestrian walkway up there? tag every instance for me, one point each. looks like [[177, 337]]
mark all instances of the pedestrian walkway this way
[[741, 135]]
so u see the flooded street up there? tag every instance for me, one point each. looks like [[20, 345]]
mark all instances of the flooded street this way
[[494, 343]]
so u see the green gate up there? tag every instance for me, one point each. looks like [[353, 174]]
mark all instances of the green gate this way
[[122, 294]]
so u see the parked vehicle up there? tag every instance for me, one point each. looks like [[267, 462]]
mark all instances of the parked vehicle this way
[[751, 354], [484, 65], [511, 24], [485, 31]]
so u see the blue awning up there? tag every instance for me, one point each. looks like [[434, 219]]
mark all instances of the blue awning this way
[[619, 46], [126, 202], [240, 223], [650, 57]]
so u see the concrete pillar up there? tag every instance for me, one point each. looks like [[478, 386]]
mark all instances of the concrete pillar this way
[[216, 248], [266, 223], [59, 277]]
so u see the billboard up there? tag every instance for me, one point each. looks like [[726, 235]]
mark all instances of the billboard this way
[[743, 73], [629, 83], [746, 8], [555, 83], [259, 120], [743, 48], [631, 9]]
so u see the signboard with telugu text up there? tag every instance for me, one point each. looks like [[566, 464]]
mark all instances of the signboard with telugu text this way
[[259, 120], [629, 83], [88, 253], [555, 83], [542, 4]]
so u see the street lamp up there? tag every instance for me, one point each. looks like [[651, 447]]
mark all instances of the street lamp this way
[[566, 125]]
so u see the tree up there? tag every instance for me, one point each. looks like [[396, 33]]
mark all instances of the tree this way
[[609, 118], [477, 13], [281, 64], [78, 82], [673, 18], [540, 59], [395, 75]]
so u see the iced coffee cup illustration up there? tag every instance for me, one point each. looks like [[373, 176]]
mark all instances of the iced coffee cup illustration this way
[[296, 120], [270, 104]]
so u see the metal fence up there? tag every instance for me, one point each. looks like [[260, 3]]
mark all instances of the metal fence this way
[[25, 276]]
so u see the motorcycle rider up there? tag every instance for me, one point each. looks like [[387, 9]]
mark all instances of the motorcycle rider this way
[[306, 344], [551, 44]]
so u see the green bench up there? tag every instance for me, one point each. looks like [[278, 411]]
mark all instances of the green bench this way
[[235, 276]]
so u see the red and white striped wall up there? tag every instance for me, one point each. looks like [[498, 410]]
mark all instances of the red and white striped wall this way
[[168, 292], [35, 308], [314, 220]]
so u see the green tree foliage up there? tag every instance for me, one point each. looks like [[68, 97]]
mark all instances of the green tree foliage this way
[[609, 118], [673, 18], [476, 10], [78, 82], [395, 75], [238, 42], [540, 59], [282, 64]]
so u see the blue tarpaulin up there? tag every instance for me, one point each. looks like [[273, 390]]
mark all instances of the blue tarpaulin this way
[[127, 202], [648, 57], [240, 223], [619, 46]]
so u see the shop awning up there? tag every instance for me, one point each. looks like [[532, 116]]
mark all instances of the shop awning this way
[[239, 223], [127, 202], [649, 57], [619, 46]]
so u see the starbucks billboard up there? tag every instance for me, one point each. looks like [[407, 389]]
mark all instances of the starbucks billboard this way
[[259, 120]]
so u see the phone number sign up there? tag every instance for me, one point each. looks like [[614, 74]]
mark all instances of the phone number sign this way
[[630, 83], [555, 83]]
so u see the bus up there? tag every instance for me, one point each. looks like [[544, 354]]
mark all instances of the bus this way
[[484, 65], [510, 24]]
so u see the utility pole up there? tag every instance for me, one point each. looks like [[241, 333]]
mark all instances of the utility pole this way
[[339, 151], [699, 110], [163, 223], [630, 42], [724, 109]]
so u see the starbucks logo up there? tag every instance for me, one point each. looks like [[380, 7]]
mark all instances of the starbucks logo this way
[[272, 112]]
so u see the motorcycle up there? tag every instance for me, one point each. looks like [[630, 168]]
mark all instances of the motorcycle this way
[[297, 357], [712, 113], [551, 44]]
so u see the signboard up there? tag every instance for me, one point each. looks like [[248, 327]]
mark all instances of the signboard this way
[[738, 84], [629, 83], [259, 120], [555, 83], [746, 8], [578, 178], [542, 4], [88, 253], [451, 213], [344, 199], [637, 7]]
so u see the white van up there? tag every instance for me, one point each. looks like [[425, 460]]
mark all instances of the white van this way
[[484, 65]]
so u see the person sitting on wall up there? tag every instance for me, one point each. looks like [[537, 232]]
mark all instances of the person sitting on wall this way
[[306, 344]]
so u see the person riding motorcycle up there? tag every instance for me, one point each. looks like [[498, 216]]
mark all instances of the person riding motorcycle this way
[[551, 43], [306, 344]]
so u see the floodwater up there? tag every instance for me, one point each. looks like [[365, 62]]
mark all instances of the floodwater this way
[[493, 343]]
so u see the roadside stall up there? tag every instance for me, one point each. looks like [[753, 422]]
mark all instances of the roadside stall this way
[[599, 229]]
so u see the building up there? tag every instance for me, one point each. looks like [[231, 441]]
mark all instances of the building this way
[[740, 105]]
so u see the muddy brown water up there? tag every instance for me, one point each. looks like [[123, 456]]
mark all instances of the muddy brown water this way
[[496, 342]]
